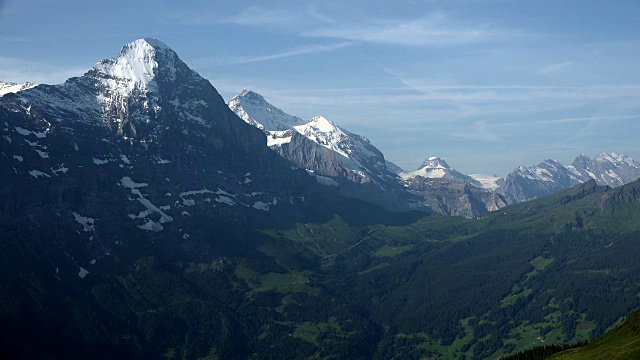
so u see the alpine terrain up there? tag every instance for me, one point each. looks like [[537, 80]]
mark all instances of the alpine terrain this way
[[144, 217]]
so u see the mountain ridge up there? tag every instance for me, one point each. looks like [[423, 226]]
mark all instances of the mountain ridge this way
[[334, 156]]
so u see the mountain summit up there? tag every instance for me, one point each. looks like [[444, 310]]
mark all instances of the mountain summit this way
[[139, 93], [256, 111], [138, 64]]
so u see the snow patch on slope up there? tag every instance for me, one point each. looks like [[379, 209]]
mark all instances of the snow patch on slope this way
[[86, 222], [149, 225]]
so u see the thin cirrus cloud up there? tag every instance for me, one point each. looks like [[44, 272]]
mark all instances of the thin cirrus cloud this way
[[252, 16], [555, 67], [297, 51], [255, 16], [434, 30]]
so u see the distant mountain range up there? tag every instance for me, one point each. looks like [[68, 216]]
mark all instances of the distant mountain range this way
[[350, 162], [358, 169], [526, 183]]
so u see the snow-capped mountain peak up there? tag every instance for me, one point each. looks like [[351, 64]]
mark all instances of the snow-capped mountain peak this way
[[137, 65], [134, 93], [278, 125], [255, 110], [436, 168], [433, 167]]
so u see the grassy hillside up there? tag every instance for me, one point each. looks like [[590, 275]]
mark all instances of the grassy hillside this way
[[619, 343]]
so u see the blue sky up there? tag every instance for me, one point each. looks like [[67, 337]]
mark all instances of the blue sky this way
[[488, 85]]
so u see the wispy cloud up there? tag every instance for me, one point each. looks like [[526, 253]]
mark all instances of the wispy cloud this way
[[257, 16], [436, 29], [251, 16], [590, 119], [302, 50], [555, 67]]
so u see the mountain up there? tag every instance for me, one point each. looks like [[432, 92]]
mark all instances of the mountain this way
[[333, 155], [141, 218], [9, 87], [608, 169], [449, 192], [355, 152], [527, 183], [140, 143]]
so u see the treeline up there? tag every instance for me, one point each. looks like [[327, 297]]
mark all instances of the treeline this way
[[542, 352]]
